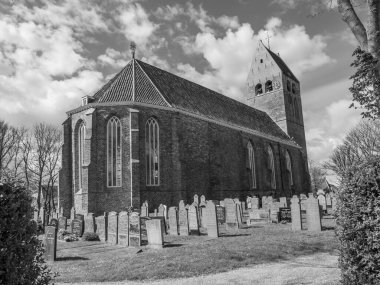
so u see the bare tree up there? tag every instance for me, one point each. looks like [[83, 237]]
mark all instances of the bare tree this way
[[8, 139], [317, 175], [360, 146]]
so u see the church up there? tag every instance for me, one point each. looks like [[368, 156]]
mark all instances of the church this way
[[151, 135]]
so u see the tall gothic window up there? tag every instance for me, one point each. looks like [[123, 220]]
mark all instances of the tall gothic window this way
[[289, 168], [152, 152], [114, 152], [81, 140], [272, 174], [251, 167]]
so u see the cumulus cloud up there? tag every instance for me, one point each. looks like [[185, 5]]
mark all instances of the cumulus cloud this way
[[113, 58]]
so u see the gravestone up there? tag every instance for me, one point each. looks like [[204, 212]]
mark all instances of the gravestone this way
[[203, 200], [134, 229], [101, 227], [196, 199], [79, 217], [50, 243], [173, 221], [211, 220], [221, 214], [89, 223], [72, 214], [322, 201], [155, 213], [144, 209], [54, 223], [258, 217], [123, 230], [239, 214], [313, 215], [143, 227], [249, 203], [255, 201], [284, 202], [183, 219], [231, 215], [166, 214], [328, 200], [77, 227], [274, 212], [155, 233], [113, 227], [296, 213], [264, 202], [193, 220], [221, 203], [285, 214], [202, 218]]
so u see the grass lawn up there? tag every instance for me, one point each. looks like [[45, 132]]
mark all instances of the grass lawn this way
[[188, 256]]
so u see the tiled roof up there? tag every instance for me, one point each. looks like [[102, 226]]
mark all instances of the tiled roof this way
[[158, 87], [282, 65]]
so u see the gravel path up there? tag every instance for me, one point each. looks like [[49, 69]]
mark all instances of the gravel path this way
[[321, 269]]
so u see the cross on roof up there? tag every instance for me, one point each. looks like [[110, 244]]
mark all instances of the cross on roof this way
[[267, 38], [132, 46]]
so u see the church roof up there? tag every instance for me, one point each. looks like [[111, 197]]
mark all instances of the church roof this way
[[144, 83], [282, 65]]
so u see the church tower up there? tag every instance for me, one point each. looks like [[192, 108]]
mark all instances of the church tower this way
[[273, 88]]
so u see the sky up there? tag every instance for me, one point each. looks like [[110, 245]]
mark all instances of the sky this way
[[52, 53]]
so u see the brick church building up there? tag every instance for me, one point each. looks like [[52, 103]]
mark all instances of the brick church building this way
[[150, 135]]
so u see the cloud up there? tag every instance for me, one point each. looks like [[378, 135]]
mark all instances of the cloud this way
[[113, 58]]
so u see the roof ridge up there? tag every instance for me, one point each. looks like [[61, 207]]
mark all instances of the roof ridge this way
[[276, 57], [151, 81], [219, 95]]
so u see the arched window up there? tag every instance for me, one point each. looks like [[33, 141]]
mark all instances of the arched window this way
[[81, 141], [296, 110], [289, 169], [114, 152], [251, 166], [271, 169], [152, 152], [259, 89], [268, 86]]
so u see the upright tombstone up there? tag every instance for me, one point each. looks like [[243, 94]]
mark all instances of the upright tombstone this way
[[231, 215], [173, 221], [255, 203], [221, 203], [196, 199], [77, 227], [193, 220], [113, 227], [296, 213], [134, 229], [123, 229], [144, 210], [155, 233], [322, 201], [72, 213], [275, 212], [50, 243], [183, 219], [161, 211], [89, 223], [313, 215], [249, 202], [221, 214], [211, 220], [54, 223], [202, 218], [264, 203], [101, 226], [203, 200], [284, 202], [239, 214]]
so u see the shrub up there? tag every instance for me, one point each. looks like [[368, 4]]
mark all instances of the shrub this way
[[21, 253], [90, 236], [358, 225]]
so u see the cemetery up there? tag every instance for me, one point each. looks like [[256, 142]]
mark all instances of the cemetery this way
[[204, 237]]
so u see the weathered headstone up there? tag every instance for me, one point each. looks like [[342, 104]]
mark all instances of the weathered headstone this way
[[274, 212], [239, 214], [134, 229], [113, 227], [123, 230], [54, 223], [264, 202], [50, 243], [183, 219], [89, 223], [313, 215], [196, 199], [211, 220], [322, 201], [101, 226], [285, 214], [255, 201], [144, 210], [221, 203], [231, 215], [173, 221], [296, 213], [258, 217], [193, 220], [249, 203], [284, 202], [155, 233], [203, 199], [62, 223], [79, 217], [202, 218], [221, 214], [77, 227], [161, 210]]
